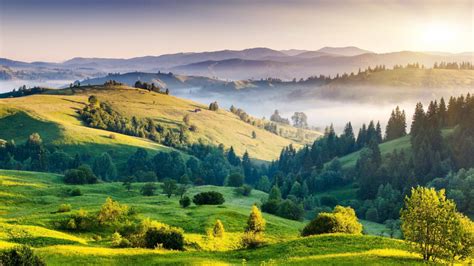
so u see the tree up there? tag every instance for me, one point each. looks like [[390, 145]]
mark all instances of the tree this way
[[235, 180], [300, 120], [185, 202], [396, 126], [104, 167], [431, 222], [255, 222], [82, 175], [93, 101], [254, 135], [213, 106], [341, 220], [127, 182], [263, 184], [148, 189], [169, 187], [290, 210], [20, 255], [218, 230], [274, 194], [112, 212], [232, 157]]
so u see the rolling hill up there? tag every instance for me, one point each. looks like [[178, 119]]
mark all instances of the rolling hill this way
[[33, 199], [55, 117]]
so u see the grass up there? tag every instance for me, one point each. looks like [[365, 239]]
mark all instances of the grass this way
[[29, 201], [55, 118]]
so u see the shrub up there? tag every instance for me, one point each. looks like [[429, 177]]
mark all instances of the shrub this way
[[81, 221], [341, 220], [290, 210], [271, 206], [218, 230], [148, 189], [167, 237], [252, 240], [235, 180], [116, 238], [112, 212], [255, 222], [75, 192], [208, 198], [20, 255], [82, 175], [372, 214], [244, 190], [64, 208], [185, 202], [193, 128]]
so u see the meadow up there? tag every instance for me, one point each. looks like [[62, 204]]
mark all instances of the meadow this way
[[30, 200], [55, 117]]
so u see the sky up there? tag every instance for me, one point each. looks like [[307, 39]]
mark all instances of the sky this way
[[57, 30]]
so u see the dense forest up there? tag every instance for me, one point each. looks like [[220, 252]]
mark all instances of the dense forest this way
[[382, 181]]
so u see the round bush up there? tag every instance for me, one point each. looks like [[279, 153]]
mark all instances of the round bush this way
[[21, 255], [169, 238], [208, 198]]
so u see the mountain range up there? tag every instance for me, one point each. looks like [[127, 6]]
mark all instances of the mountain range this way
[[254, 63]]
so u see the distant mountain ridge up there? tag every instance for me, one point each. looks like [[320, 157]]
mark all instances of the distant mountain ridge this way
[[253, 63]]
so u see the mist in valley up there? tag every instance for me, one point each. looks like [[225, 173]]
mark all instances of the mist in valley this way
[[373, 104], [9, 85]]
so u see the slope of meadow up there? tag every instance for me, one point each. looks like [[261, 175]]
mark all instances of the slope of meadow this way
[[29, 201], [55, 117]]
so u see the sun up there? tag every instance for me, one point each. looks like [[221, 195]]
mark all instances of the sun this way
[[438, 35]]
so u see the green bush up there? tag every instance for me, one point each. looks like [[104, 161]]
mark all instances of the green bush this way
[[235, 180], [341, 220], [148, 189], [290, 210], [244, 190], [20, 255], [185, 202], [80, 221], [75, 192], [252, 240], [64, 208], [166, 237], [208, 198], [271, 206], [82, 175]]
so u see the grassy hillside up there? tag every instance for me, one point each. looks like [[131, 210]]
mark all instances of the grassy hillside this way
[[54, 117], [29, 201], [419, 78]]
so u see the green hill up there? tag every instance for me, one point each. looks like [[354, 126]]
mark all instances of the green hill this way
[[29, 201], [54, 116]]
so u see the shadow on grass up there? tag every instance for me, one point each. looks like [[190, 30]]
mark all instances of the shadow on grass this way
[[42, 241]]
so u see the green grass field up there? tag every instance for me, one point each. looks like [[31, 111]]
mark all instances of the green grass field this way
[[55, 118], [29, 201]]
